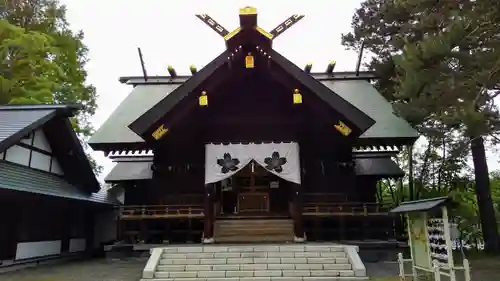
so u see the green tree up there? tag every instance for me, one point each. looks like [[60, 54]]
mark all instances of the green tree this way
[[67, 51], [26, 76], [440, 65]]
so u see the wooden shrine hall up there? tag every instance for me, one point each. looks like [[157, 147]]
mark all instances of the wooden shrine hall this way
[[252, 148]]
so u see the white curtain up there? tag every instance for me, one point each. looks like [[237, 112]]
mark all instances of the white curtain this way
[[223, 161]]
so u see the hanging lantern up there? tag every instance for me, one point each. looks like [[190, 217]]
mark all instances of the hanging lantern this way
[[249, 61], [203, 99], [297, 97]]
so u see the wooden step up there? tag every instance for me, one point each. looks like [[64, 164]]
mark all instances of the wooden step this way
[[258, 230]]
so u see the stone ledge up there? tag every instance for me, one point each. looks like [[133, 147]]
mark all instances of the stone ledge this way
[[357, 265], [153, 261]]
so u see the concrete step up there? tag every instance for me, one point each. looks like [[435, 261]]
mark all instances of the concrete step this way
[[254, 273], [319, 248], [282, 278], [246, 267], [255, 262], [215, 261], [226, 255]]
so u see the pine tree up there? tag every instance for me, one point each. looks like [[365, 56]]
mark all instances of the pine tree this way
[[440, 62]]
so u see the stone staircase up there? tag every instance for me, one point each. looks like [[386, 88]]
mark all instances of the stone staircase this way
[[253, 230], [255, 263]]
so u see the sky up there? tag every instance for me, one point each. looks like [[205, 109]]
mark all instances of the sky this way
[[168, 33]]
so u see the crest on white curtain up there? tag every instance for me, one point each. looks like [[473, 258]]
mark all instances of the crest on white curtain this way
[[275, 162], [228, 163], [222, 161]]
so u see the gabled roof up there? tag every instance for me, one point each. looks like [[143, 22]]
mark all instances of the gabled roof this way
[[133, 168], [21, 178], [152, 117], [140, 100], [377, 166], [17, 121], [356, 89], [424, 205], [155, 113], [364, 96]]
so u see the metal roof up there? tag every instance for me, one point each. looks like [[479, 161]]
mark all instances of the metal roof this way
[[365, 97], [359, 93], [424, 205], [141, 99], [377, 166], [17, 121], [130, 170], [14, 124], [20, 178]]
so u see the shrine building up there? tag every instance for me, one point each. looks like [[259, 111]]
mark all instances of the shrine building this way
[[253, 148]]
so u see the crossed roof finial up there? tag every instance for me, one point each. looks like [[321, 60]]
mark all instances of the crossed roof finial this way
[[248, 19]]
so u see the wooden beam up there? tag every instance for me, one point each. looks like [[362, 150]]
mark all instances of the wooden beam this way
[[285, 25], [214, 25]]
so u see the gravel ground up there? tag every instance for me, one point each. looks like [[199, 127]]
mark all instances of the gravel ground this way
[[129, 269]]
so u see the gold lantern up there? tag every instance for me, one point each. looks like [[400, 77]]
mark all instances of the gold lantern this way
[[249, 61], [297, 96], [203, 99]]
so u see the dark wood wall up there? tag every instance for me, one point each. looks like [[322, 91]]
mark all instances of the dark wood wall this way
[[31, 217], [251, 107]]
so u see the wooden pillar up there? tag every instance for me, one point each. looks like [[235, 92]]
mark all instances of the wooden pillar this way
[[296, 212], [410, 173], [208, 211], [143, 231]]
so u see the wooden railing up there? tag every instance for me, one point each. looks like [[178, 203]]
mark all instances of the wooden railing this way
[[345, 209], [160, 211], [324, 197]]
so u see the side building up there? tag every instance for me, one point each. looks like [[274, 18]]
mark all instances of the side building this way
[[253, 148], [51, 203]]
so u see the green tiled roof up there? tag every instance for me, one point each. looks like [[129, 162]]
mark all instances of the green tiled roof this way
[[365, 97], [115, 128], [20, 178]]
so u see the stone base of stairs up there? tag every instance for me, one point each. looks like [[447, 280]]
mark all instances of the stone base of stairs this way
[[325, 261]]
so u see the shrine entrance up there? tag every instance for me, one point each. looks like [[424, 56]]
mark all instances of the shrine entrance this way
[[253, 192]]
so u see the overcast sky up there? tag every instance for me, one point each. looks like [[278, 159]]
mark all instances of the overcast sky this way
[[169, 34]]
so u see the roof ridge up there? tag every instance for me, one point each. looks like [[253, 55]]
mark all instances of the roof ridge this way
[[39, 106]]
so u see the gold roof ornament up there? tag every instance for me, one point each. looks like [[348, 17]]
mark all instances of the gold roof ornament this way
[[248, 10]]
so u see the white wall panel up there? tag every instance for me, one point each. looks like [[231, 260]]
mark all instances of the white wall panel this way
[[41, 141], [28, 250], [40, 161], [18, 154]]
